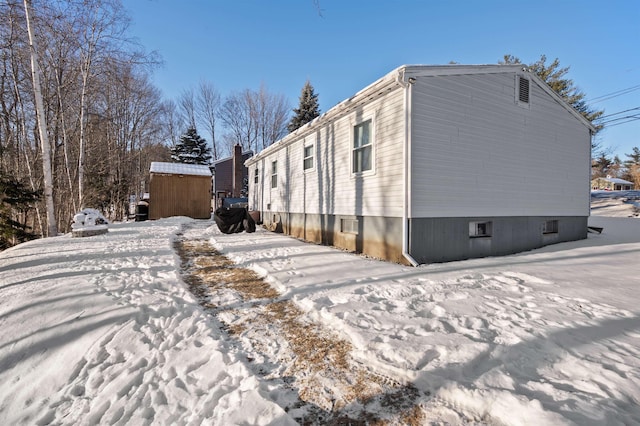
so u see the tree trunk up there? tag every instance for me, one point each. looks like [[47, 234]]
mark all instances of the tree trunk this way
[[52, 228]]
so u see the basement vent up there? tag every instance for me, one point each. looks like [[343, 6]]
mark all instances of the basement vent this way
[[523, 90], [480, 229], [349, 226], [550, 227]]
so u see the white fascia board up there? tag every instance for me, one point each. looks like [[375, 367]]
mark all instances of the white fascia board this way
[[456, 69]]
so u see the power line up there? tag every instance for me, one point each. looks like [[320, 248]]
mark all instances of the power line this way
[[613, 119], [618, 113], [627, 119], [614, 94]]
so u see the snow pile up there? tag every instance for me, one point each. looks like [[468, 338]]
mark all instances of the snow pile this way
[[104, 330], [89, 222]]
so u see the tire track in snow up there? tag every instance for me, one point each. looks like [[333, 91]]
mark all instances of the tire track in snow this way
[[297, 356]]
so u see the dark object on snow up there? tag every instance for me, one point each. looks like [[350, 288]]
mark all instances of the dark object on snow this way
[[595, 229], [142, 211], [229, 202], [233, 220]]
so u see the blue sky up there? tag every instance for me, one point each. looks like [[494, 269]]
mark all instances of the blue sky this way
[[240, 44]]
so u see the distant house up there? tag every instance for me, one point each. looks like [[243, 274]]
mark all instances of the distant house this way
[[433, 164], [611, 184], [177, 189], [230, 176]]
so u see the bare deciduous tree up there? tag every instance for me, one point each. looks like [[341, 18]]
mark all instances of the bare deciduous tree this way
[[273, 110], [52, 227], [187, 104], [254, 119], [207, 106], [174, 125], [237, 115]]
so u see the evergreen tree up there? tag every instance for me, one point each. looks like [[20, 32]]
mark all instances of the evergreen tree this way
[[555, 77], [634, 157], [307, 110], [632, 165], [192, 149], [601, 166], [15, 201]]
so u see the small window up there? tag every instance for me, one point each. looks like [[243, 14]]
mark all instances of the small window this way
[[550, 227], [480, 229], [308, 157], [523, 90], [349, 226], [274, 174], [362, 147], [255, 175]]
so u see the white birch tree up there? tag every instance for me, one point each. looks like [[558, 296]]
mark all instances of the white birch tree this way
[[52, 226]]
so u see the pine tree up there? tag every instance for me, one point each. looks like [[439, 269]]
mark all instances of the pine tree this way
[[16, 200], [634, 157], [192, 149], [600, 167], [632, 165], [307, 110]]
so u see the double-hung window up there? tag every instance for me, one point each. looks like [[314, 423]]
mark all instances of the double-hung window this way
[[308, 158], [274, 174], [362, 147]]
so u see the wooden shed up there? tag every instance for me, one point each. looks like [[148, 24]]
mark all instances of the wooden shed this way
[[177, 189]]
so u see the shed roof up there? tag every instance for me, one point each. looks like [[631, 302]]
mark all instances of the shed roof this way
[[180, 169]]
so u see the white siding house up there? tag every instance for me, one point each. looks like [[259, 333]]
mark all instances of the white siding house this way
[[431, 164]]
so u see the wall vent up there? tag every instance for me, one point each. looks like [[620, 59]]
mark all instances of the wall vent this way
[[523, 89]]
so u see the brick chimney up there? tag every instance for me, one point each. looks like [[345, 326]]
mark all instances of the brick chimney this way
[[237, 171]]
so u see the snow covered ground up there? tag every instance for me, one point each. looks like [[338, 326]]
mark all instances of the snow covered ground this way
[[104, 329], [615, 203]]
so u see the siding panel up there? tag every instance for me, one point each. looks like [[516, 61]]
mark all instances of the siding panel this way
[[475, 152], [330, 187]]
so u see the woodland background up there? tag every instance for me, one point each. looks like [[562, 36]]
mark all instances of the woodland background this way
[[105, 122]]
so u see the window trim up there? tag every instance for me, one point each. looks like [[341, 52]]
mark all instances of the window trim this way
[[311, 157], [274, 174], [256, 174], [372, 145]]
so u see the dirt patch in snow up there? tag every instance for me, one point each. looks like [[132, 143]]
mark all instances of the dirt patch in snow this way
[[301, 358]]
